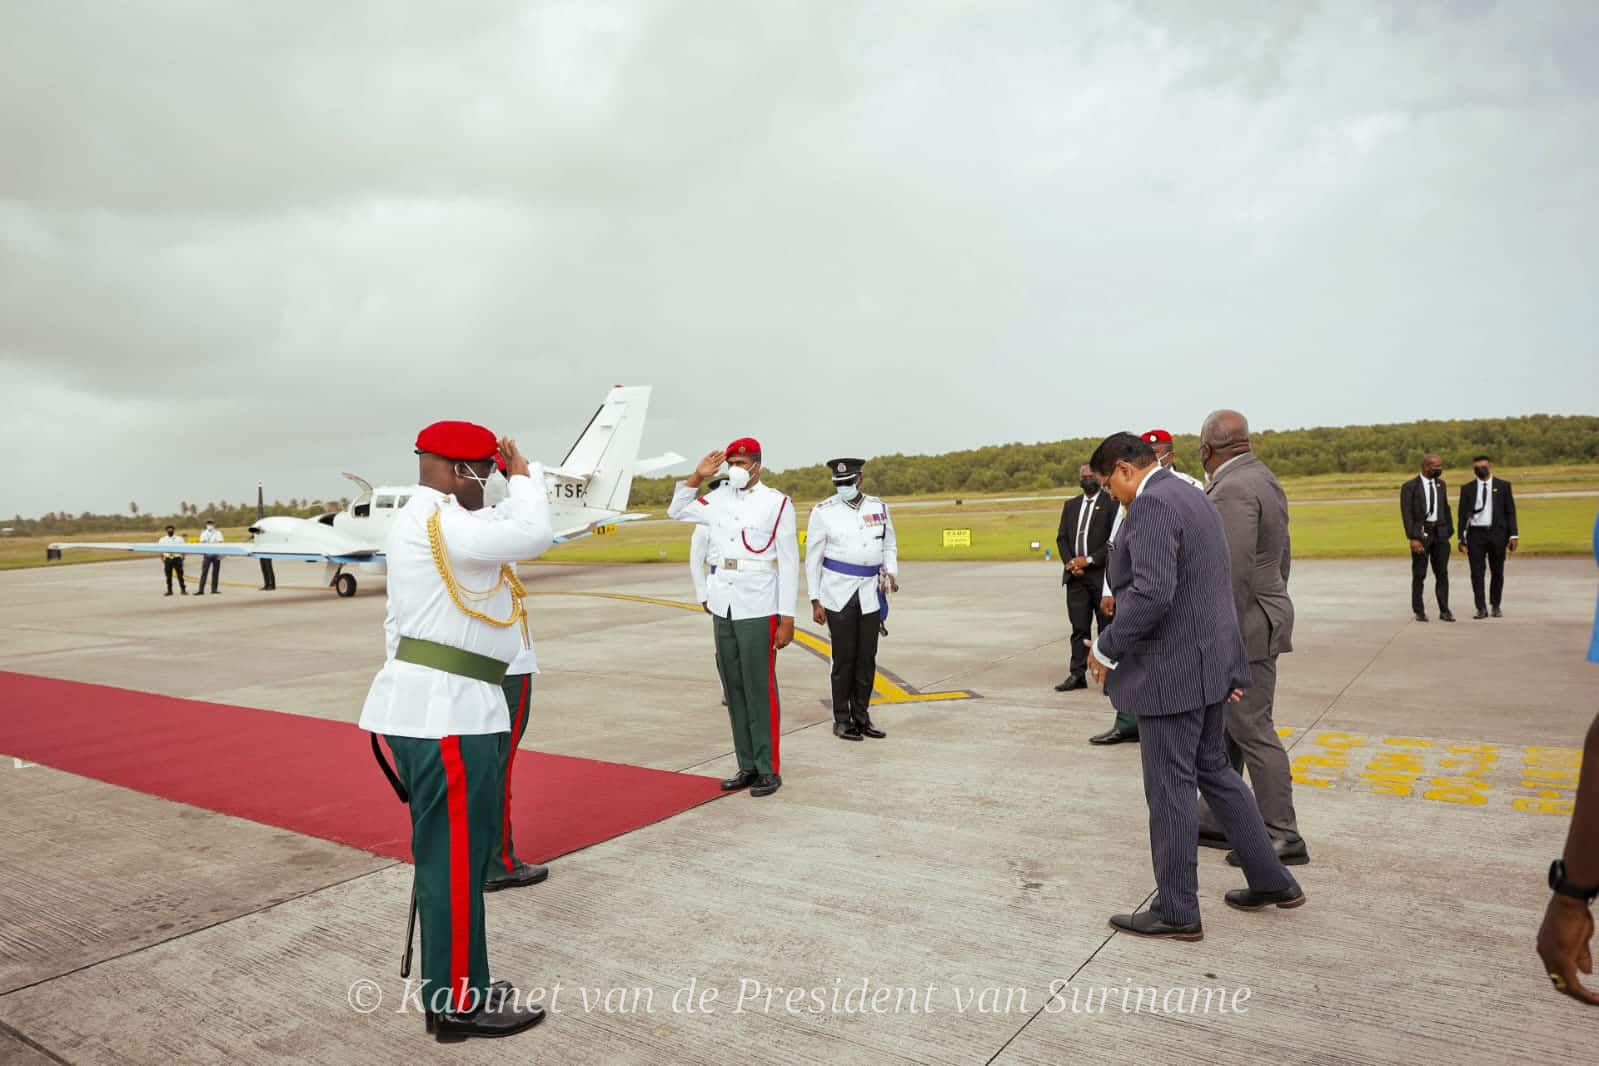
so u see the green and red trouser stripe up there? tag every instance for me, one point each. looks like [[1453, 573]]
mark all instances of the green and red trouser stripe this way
[[748, 665], [456, 802], [518, 697]]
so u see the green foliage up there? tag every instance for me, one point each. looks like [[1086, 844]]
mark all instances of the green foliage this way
[[1531, 440]]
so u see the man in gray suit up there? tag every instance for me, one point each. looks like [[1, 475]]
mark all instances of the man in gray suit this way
[[1254, 515], [1174, 652]]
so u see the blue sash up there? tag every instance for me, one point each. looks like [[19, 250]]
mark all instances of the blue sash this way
[[860, 570]]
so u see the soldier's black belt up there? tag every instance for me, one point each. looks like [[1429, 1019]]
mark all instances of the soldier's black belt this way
[[456, 661]]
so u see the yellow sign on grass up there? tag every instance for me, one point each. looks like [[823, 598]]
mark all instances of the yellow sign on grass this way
[[957, 538]]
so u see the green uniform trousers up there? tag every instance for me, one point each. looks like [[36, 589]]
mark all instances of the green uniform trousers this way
[[518, 699], [456, 797], [748, 665]]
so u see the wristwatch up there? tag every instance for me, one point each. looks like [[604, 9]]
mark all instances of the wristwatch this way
[[1558, 882]]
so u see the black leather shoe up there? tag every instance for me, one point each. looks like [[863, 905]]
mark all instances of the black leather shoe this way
[[523, 873], [1071, 683], [1150, 924], [1213, 838], [766, 784], [1247, 899], [1480, 613], [1421, 616], [501, 1015], [1114, 736], [845, 731], [1447, 616], [869, 730], [1497, 613], [742, 779], [1288, 855], [168, 592]]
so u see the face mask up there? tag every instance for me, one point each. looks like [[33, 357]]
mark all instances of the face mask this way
[[496, 490], [846, 492], [1434, 475], [1166, 460], [738, 477], [1482, 473], [462, 470], [1089, 485]]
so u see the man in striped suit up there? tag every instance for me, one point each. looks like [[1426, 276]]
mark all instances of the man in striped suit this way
[[1173, 651]]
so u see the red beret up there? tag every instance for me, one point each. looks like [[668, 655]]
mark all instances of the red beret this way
[[1157, 436], [745, 446], [499, 462], [463, 441]]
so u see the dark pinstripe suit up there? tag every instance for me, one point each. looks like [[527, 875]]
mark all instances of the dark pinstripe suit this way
[[1179, 653]]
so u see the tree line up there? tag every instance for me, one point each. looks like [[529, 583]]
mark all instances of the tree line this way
[[1531, 440], [190, 519]]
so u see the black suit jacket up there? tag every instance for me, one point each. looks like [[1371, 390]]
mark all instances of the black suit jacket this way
[[1503, 521], [1099, 523], [1413, 508]]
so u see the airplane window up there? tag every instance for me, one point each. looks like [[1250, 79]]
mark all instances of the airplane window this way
[[384, 501], [403, 501]]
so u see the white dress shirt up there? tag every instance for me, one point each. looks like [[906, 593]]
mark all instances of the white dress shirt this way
[[1483, 516], [859, 532], [1429, 490], [1085, 514], [172, 539], [698, 557], [210, 535], [409, 700], [752, 529]]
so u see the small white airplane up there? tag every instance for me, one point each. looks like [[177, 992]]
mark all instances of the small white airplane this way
[[588, 494]]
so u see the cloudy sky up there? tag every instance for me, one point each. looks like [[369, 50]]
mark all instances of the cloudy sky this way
[[251, 241]]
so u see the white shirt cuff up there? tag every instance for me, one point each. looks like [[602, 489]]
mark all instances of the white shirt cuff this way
[[1106, 663]]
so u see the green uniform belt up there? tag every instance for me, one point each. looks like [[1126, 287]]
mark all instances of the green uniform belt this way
[[451, 660]]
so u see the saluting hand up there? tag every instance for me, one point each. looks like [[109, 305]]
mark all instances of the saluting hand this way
[[515, 461], [709, 465]]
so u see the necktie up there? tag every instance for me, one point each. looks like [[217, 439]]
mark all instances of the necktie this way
[[1082, 527], [1432, 503]]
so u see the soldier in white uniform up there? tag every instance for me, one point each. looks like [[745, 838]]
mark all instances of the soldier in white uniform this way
[[699, 562], [455, 621], [850, 552], [751, 594]]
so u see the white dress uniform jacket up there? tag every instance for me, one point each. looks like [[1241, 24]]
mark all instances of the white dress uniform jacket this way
[[699, 556], [752, 536], [417, 701], [862, 536]]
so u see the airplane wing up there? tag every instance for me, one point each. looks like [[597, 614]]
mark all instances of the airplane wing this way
[[597, 528], [250, 551]]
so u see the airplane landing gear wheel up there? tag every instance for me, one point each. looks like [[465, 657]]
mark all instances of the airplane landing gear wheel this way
[[345, 585]]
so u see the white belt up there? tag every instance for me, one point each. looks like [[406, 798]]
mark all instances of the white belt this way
[[747, 564]]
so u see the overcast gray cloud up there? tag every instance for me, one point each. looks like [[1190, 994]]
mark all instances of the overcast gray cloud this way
[[245, 242]]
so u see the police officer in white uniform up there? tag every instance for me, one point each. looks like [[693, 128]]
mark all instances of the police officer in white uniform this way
[[751, 595], [455, 622], [850, 553]]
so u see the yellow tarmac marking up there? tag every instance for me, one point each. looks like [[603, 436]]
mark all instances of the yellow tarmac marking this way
[[1533, 780], [888, 689]]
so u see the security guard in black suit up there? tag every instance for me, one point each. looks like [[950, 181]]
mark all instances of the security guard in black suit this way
[[1424, 504], [1084, 532]]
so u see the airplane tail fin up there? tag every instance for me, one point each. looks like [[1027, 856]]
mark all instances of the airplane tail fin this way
[[606, 455]]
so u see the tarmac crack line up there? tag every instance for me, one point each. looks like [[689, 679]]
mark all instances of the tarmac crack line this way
[[1325, 711], [26, 1041]]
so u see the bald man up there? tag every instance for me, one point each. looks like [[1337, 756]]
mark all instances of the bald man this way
[[1424, 505], [1254, 518]]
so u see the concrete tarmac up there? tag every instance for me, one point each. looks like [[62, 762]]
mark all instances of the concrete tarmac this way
[[916, 899]]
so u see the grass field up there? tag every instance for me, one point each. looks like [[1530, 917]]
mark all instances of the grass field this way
[[1004, 529]]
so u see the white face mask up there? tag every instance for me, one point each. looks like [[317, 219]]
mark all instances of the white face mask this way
[[846, 492], [738, 477], [462, 470], [496, 490]]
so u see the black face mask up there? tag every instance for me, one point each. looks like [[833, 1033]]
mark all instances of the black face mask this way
[[1434, 475], [1089, 485], [1482, 473]]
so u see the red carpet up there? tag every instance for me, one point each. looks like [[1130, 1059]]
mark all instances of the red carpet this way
[[309, 775]]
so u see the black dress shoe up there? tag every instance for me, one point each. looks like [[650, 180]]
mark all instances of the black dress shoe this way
[[766, 784], [523, 873], [1114, 736], [1288, 855], [742, 779], [500, 1015], [869, 730], [1247, 899], [1447, 616], [1421, 616], [1497, 613], [167, 593], [1150, 924], [1213, 838], [1071, 683], [1480, 613], [845, 731]]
